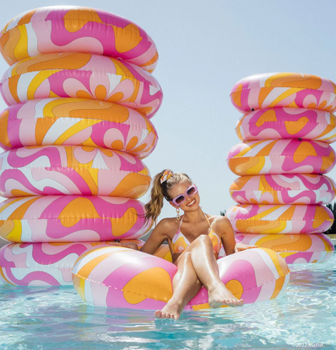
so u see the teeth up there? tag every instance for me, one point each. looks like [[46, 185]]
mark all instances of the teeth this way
[[191, 203]]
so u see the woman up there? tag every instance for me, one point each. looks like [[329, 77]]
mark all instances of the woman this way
[[194, 251]]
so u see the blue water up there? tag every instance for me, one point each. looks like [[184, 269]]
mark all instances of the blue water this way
[[56, 318]]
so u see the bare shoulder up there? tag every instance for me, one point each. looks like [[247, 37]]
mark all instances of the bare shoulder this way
[[165, 228], [220, 222]]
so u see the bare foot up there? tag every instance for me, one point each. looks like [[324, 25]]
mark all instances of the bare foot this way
[[173, 310], [220, 295]]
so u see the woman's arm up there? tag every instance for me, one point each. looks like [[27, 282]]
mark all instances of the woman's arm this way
[[224, 231], [224, 227], [158, 235]]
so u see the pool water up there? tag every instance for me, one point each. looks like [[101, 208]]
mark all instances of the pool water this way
[[57, 318]]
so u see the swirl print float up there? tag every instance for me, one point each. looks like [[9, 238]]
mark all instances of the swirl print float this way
[[72, 170], [138, 281], [286, 130], [80, 94], [82, 122], [76, 29]]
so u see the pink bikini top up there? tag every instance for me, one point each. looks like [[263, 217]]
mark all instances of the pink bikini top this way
[[180, 242]]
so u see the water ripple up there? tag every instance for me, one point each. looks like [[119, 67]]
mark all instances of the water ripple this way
[[56, 318]]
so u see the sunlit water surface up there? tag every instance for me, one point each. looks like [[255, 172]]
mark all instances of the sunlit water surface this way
[[57, 318]]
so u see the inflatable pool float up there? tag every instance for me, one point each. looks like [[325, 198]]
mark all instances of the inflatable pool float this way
[[294, 90], [41, 264], [82, 122], [295, 249], [49, 264], [72, 170], [280, 219], [73, 28], [122, 278], [283, 189], [71, 219], [82, 75], [287, 123], [281, 157]]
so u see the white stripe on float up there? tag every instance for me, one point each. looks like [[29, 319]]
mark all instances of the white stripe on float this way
[[266, 291], [32, 41], [12, 207], [95, 254], [59, 127], [23, 84]]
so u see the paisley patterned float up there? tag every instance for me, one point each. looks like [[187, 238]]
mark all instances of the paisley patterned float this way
[[295, 249], [281, 157], [284, 90], [280, 219], [287, 123], [121, 278], [82, 75], [72, 170], [71, 219], [283, 189], [70, 121], [72, 28]]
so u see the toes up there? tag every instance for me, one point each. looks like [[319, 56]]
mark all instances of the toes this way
[[234, 302], [239, 302], [162, 314], [158, 314]]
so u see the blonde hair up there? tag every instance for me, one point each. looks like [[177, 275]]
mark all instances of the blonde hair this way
[[160, 191]]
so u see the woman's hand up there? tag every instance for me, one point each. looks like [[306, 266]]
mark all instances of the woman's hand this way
[[130, 245], [240, 247]]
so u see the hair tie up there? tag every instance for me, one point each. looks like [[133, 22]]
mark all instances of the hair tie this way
[[166, 175]]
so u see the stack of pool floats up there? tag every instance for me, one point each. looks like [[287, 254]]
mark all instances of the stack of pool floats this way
[[286, 129], [80, 97]]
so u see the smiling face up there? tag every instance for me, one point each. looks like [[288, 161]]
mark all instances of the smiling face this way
[[181, 188]]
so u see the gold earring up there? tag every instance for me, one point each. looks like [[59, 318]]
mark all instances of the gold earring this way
[[178, 214]]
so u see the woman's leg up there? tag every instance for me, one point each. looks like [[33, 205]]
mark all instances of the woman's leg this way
[[185, 286], [206, 268], [196, 266]]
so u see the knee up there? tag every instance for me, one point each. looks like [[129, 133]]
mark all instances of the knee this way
[[187, 256], [184, 259], [203, 239]]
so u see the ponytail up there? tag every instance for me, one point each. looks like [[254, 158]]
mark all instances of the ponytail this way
[[159, 192]]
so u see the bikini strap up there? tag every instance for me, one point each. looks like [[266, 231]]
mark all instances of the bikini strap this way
[[181, 221], [207, 220]]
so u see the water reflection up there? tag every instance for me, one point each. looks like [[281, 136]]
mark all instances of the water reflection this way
[[40, 316]]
